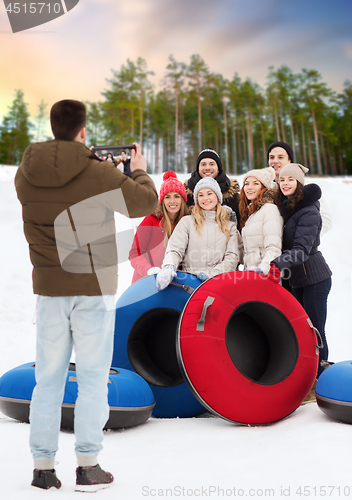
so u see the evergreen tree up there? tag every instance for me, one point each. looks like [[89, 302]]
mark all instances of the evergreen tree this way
[[40, 119], [343, 130], [314, 94], [198, 74], [175, 79], [15, 131], [94, 124]]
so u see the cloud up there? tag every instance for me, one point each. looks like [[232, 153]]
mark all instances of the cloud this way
[[246, 36], [348, 50]]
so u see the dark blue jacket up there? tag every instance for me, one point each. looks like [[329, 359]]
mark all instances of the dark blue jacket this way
[[301, 240]]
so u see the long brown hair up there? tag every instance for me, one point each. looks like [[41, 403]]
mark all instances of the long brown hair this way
[[222, 216], [247, 207], [280, 198], [165, 221]]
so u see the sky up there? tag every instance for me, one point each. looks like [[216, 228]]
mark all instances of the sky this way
[[73, 55]]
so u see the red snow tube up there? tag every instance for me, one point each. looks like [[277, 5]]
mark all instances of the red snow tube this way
[[247, 348]]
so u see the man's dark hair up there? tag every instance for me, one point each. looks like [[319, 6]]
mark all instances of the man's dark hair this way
[[67, 117]]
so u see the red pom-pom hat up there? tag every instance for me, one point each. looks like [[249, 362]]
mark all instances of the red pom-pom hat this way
[[171, 183]]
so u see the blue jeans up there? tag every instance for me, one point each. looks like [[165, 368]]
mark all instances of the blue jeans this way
[[87, 325], [314, 298]]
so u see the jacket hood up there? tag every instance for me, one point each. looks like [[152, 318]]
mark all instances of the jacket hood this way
[[268, 197], [55, 163], [222, 179]]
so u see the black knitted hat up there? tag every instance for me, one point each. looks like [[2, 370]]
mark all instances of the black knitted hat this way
[[283, 145], [209, 153]]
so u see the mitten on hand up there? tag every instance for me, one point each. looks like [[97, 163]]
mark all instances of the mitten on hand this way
[[165, 276], [254, 269], [274, 273], [204, 275], [153, 270]]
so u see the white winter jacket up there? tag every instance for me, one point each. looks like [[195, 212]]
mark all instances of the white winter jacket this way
[[262, 235], [208, 251]]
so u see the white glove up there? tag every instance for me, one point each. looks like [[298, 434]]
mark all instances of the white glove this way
[[165, 276], [153, 270]]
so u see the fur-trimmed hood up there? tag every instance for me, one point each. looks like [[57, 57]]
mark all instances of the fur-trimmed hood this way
[[268, 197], [311, 196]]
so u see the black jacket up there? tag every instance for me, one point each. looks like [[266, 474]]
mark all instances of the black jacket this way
[[229, 187], [301, 240]]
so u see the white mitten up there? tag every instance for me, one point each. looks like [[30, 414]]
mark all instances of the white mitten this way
[[165, 276]]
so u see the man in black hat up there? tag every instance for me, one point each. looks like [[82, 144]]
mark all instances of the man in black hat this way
[[279, 154], [209, 165]]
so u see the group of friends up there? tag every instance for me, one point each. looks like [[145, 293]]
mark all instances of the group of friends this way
[[273, 223], [272, 226], [122, 162]]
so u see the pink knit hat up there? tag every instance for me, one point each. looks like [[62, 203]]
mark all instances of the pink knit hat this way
[[171, 183]]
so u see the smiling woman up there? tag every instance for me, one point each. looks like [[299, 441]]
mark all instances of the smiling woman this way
[[148, 248], [261, 221], [310, 276], [207, 199]]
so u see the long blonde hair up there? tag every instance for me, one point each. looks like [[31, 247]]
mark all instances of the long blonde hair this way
[[222, 217], [165, 221]]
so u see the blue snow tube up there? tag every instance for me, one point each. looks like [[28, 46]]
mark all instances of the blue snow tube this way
[[334, 391], [130, 399], [145, 341]]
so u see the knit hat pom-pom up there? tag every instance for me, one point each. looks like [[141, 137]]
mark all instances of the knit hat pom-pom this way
[[171, 183], [169, 174]]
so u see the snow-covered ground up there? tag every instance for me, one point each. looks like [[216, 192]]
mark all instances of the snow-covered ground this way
[[306, 454]]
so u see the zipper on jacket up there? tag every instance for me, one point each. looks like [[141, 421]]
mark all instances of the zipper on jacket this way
[[304, 269]]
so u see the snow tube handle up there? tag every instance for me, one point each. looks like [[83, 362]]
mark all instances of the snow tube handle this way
[[186, 288], [200, 324], [321, 345]]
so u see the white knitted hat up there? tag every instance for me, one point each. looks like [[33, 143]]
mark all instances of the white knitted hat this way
[[207, 182], [264, 175]]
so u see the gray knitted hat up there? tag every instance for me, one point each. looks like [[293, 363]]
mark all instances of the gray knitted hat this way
[[207, 182]]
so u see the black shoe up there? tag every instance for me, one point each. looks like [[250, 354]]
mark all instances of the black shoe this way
[[45, 479], [93, 478]]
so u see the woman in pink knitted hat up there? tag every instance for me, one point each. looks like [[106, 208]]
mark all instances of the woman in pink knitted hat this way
[[148, 248]]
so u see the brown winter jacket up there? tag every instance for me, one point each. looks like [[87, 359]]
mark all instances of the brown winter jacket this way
[[65, 178]]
